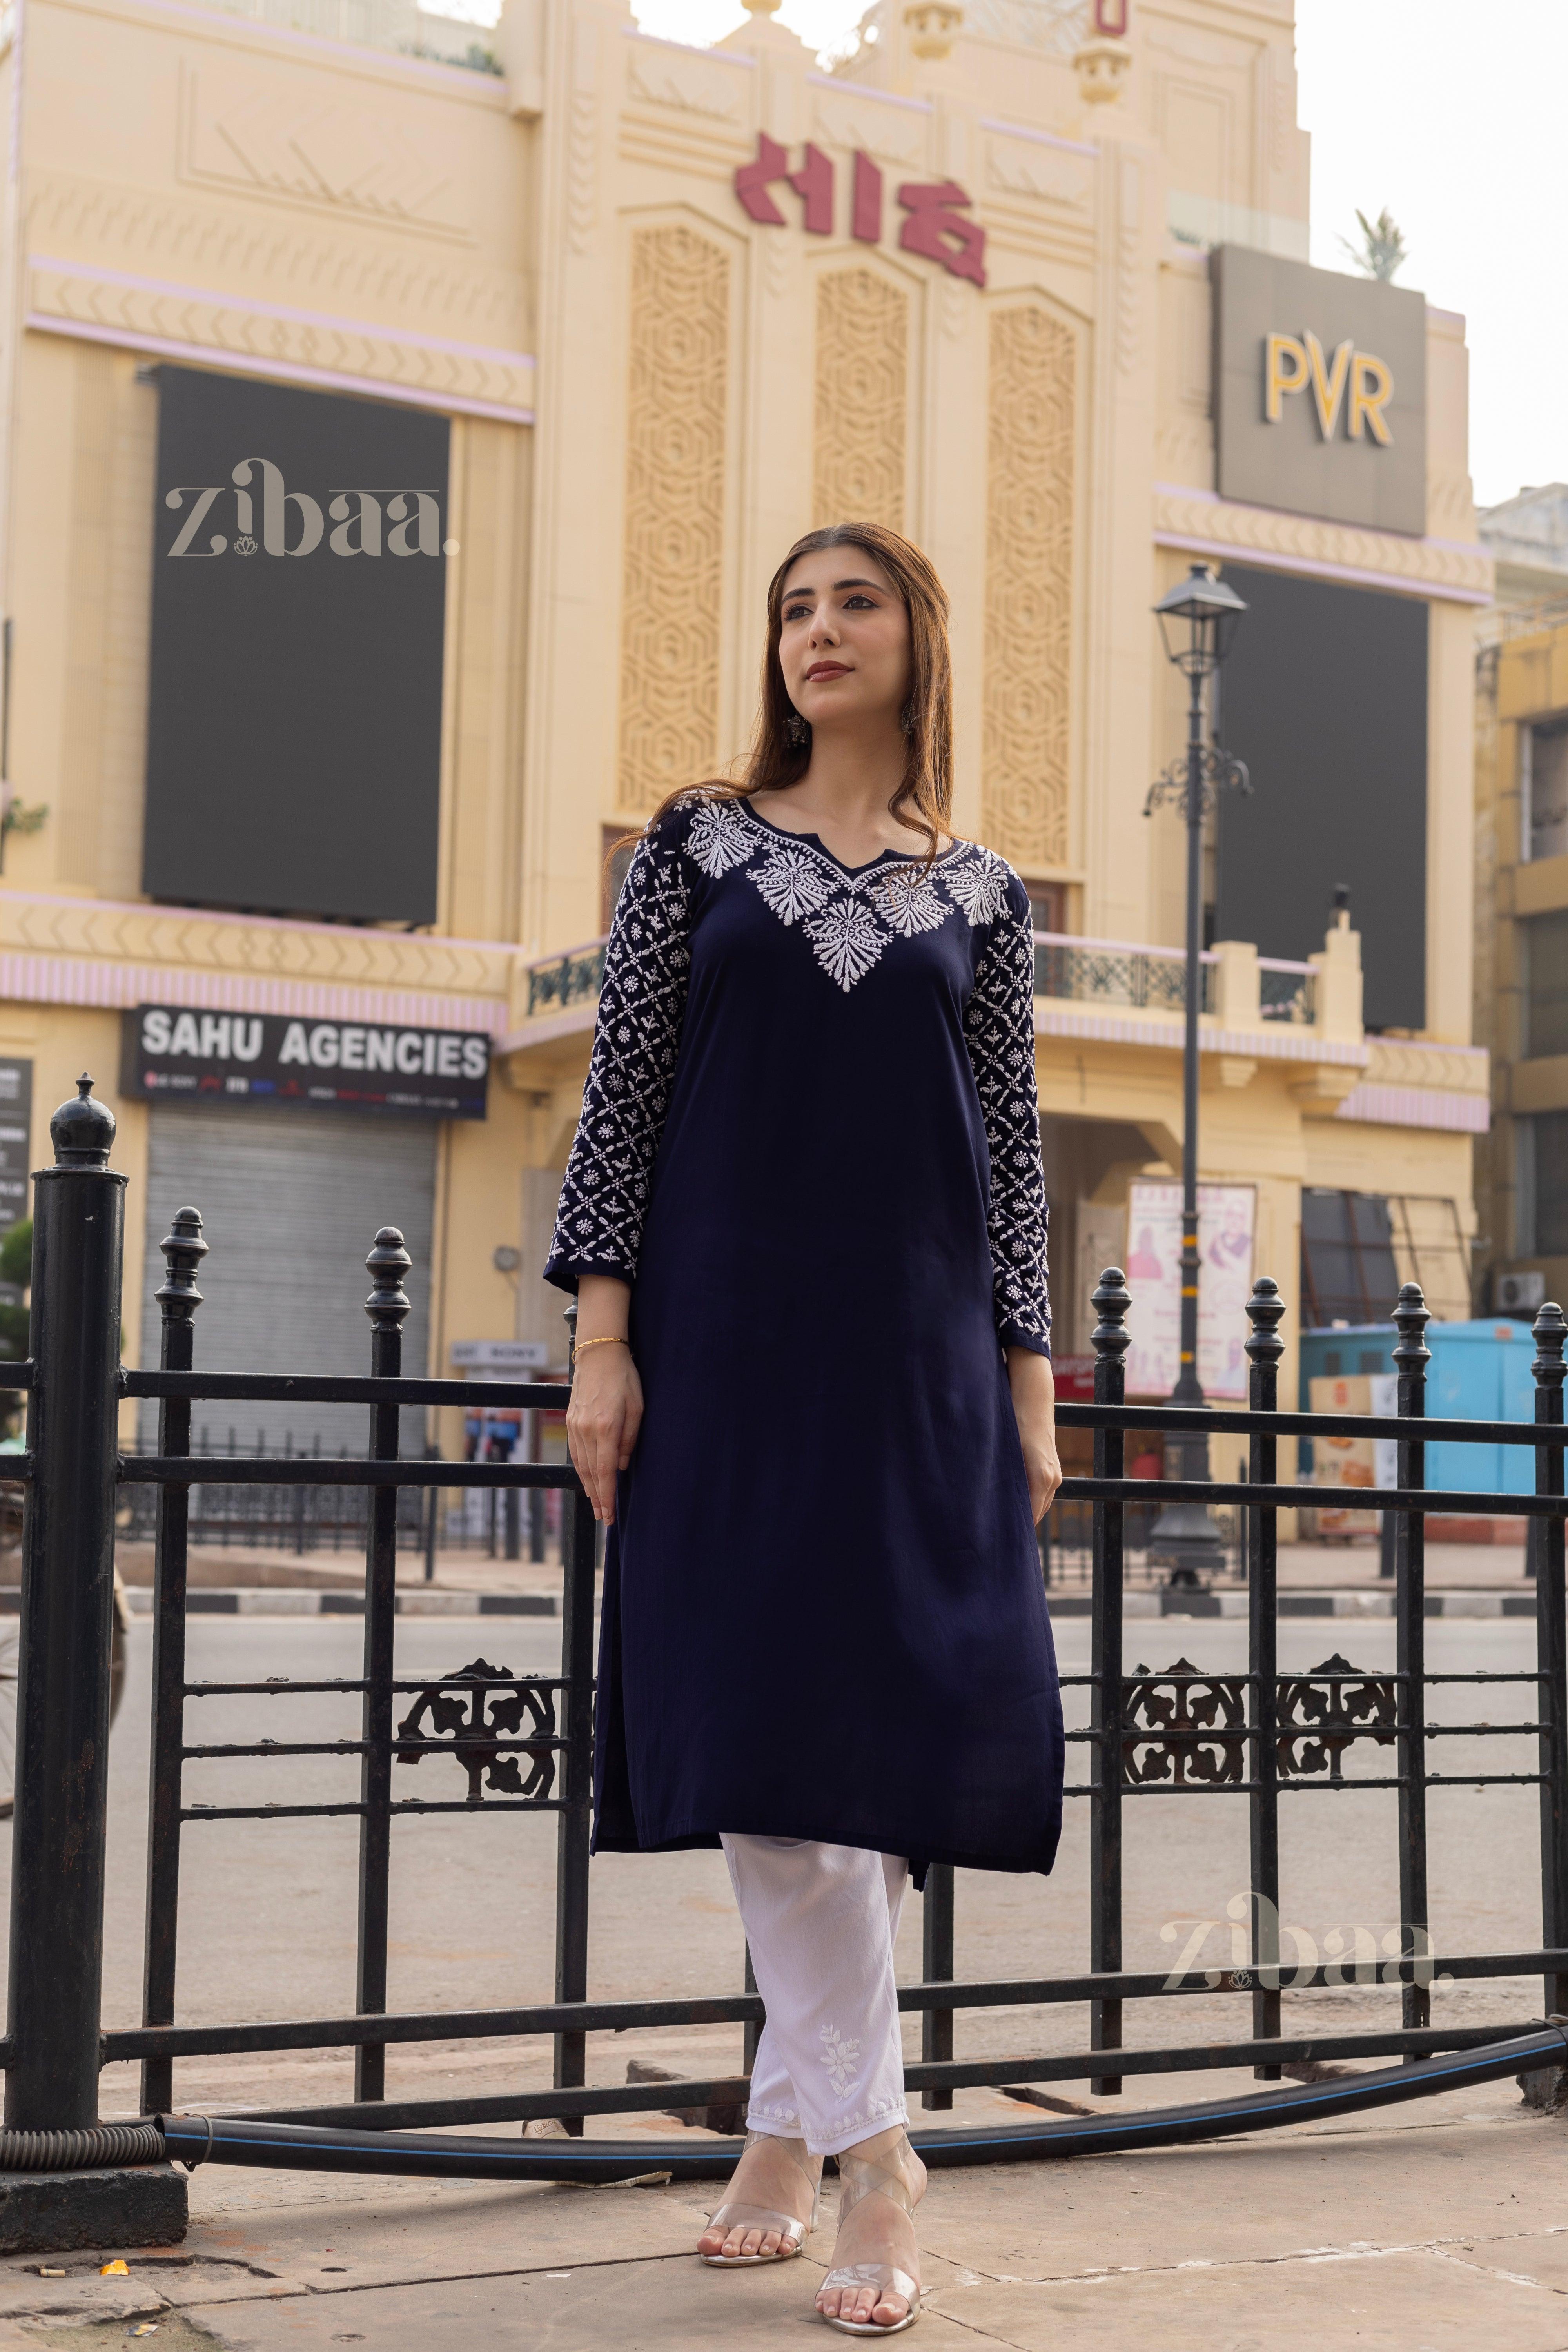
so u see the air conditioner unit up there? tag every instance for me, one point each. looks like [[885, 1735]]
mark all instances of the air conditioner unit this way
[[1519, 1294]]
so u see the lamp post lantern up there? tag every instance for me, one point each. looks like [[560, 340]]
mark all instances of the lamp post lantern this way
[[1198, 622]]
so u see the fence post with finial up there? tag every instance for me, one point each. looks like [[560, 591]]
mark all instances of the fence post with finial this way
[[388, 1307], [68, 1604], [1109, 1339], [579, 1560], [1411, 1357], [1265, 1310], [1551, 1653], [178, 1296]]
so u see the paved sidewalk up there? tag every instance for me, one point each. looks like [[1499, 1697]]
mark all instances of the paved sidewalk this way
[[1437, 2228]]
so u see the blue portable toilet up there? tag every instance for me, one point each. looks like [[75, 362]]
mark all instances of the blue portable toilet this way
[[1478, 1372]]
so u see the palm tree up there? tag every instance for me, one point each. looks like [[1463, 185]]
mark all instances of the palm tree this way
[[1382, 252]]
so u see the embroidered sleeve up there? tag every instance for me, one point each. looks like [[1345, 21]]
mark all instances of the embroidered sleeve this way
[[636, 1041], [1000, 1028]]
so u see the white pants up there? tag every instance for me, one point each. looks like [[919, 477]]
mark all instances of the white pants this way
[[820, 1921]]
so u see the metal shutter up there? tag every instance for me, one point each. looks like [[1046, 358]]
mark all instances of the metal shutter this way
[[291, 1200]]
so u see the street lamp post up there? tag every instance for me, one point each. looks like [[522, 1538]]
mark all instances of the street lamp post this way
[[1198, 622]]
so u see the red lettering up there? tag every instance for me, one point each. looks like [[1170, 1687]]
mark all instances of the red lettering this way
[[753, 179], [934, 229], [866, 212], [813, 184]]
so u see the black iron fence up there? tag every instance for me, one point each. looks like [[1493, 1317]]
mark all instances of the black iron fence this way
[[225, 1516], [524, 1742]]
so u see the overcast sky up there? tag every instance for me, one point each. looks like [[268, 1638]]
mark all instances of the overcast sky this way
[[1452, 116]]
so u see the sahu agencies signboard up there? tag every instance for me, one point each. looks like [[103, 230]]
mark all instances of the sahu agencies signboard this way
[[171, 1053], [1320, 392]]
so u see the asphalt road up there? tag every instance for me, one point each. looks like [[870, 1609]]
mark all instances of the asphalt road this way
[[267, 1908]]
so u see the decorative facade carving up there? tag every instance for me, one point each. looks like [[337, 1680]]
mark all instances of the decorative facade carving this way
[[1029, 586], [862, 399], [70, 950], [583, 139], [897, 133], [118, 306], [247, 132], [1056, 26], [1128, 277], [278, 255], [1045, 171], [1202, 524], [658, 74], [1411, 1062], [675, 514]]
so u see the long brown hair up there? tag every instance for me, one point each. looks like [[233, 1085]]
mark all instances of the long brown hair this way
[[923, 799]]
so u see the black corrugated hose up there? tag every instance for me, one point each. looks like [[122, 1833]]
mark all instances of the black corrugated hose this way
[[82, 2151], [283, 2146]]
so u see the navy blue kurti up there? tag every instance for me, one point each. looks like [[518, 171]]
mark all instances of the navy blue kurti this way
[[810, 1143]]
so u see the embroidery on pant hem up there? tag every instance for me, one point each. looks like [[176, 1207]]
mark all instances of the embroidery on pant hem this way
[[839, 2057]]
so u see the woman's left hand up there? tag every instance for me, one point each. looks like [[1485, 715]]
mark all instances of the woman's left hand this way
[[1034, 1389]]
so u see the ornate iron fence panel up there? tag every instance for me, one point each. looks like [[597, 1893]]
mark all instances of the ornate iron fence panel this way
[[483, 1738]]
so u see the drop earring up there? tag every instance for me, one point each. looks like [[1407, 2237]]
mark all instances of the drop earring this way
[[798, 732]]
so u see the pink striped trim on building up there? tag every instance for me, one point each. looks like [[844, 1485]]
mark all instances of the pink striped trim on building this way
[[1418, 1106], [73, 979]]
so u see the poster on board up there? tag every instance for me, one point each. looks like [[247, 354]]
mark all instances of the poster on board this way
[[1228, 1216]]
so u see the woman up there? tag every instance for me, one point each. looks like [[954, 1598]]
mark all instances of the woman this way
[[805, 1220]]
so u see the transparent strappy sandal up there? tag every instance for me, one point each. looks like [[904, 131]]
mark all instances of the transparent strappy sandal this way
[[793, 2231], [867, 2176]]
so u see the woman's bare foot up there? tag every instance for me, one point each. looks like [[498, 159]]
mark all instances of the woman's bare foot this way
[[877, 2232], [769, 2176]]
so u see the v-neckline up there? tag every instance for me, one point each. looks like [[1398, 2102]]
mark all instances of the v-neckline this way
[[786, 832]]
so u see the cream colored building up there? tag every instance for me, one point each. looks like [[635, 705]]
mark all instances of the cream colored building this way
[[651, 391]]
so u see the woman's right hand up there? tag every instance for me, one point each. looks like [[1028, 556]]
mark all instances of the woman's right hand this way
[[602, 1421]]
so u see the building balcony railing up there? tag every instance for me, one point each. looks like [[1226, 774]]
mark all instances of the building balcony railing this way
[[1116, 971], [1066, 968], [1287, 991], [558, 981]]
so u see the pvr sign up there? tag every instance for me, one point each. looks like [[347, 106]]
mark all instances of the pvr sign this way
[[934, 223], [1292, 364]]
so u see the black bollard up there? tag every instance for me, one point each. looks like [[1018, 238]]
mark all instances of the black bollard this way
[[62, 1709], [67, 1608], [388, 1307], [1109, 1339]]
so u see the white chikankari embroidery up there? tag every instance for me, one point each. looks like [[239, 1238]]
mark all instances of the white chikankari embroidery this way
[[999, 1030], [840, 2057], [849, 921], [718, 838], [980, 889], [847, 940], [906, 897], [636, 1041], [791, 884]]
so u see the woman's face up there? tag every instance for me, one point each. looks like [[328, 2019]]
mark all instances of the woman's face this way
[[844, 643]]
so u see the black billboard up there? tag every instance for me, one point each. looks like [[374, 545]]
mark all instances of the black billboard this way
[[171, 1053], [1324, 697], [298, 600]]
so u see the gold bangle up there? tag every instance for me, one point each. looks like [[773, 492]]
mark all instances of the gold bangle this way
[[605, 1339]]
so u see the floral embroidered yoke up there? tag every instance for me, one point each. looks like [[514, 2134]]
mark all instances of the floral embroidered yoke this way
[[809, 1143], [849, 921]]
